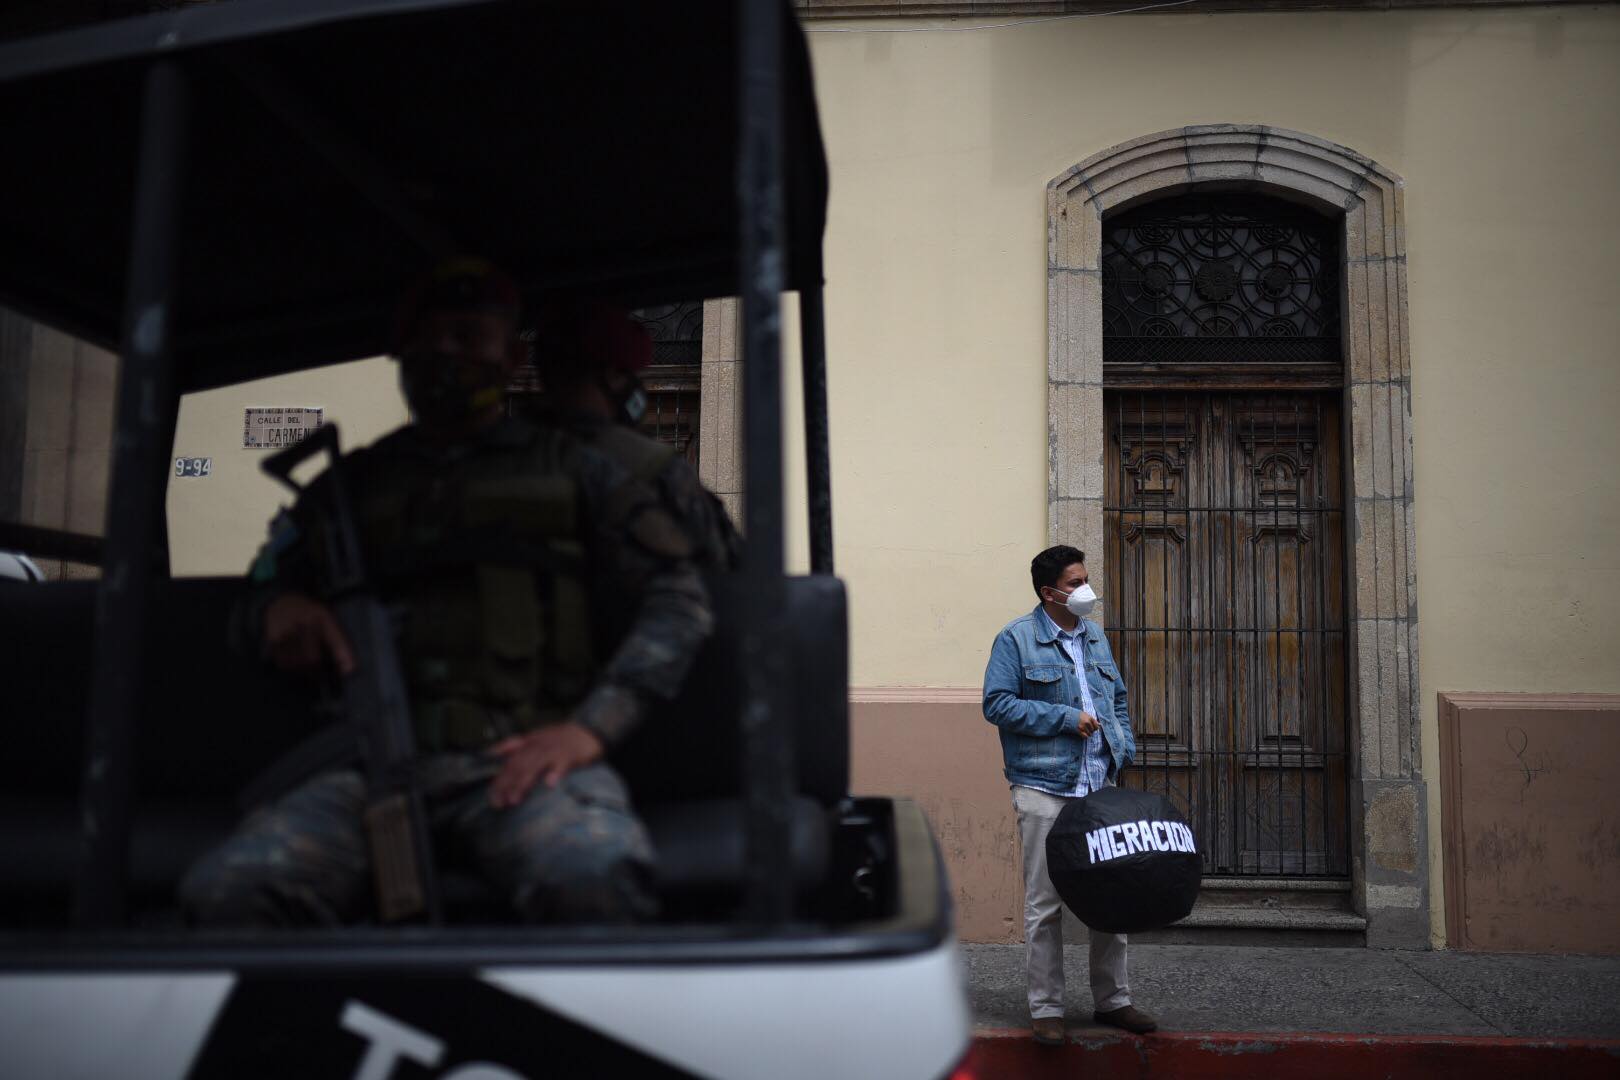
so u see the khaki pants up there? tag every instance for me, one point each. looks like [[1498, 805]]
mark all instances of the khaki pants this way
[[1043, 920]]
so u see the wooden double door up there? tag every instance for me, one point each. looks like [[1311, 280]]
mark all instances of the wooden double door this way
[[1225, 534]]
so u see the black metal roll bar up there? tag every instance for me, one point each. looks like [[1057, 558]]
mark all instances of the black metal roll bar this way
[[145, 422], [818, 466], [767, 742]]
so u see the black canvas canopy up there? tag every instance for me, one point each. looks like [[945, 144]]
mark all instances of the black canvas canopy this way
[[335, 148]]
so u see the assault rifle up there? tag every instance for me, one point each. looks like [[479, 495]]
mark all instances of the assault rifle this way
[[375, 704]]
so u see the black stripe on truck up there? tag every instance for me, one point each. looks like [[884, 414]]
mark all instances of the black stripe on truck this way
[[406, 1029]]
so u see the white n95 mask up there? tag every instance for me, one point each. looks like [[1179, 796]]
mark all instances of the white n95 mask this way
[[1082, 601]]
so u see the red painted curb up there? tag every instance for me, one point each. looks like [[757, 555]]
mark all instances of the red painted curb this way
[[1010, 1054]]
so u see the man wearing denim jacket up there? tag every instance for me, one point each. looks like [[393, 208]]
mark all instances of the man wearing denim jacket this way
[[1054, 691]]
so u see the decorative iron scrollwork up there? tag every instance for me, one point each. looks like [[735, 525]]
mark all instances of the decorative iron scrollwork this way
[[676, 331], [1212, 278]]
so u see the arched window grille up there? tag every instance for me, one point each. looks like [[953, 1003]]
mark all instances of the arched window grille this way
[[1211, 278]]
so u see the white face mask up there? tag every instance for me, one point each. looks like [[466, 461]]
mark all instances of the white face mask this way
[[1082, 601]]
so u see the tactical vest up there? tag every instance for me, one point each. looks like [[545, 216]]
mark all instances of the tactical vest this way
[[715, 538], [645, 458], [483, 559]]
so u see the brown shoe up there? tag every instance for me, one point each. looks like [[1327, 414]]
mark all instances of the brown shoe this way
[[1048, 1030], [1129, 1017]]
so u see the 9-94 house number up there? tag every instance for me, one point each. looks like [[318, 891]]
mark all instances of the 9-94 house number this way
[[193, 466]]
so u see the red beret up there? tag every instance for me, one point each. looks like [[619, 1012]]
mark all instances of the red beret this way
[[580, 333]]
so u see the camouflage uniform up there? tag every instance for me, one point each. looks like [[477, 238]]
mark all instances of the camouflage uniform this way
[[537, 580], [716, 544]]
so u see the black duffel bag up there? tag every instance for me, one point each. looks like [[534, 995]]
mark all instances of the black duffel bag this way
[[1124, 861]]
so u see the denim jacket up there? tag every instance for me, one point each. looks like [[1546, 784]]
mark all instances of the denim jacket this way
[[1032, 694]]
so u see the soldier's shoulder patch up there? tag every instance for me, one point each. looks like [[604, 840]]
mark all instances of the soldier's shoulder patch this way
[[283, 535], [283, 531], [263, 570], [656, 530]]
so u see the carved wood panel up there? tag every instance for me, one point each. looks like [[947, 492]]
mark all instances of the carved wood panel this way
[[1225, 536]]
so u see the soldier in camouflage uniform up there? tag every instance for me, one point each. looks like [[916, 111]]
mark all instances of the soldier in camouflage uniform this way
[[588, 354], [547, 601]]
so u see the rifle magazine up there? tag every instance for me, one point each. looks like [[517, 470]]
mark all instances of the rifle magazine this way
[[398, 866]]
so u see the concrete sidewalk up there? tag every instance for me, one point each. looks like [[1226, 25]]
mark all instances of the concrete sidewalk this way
[[1218, 988]]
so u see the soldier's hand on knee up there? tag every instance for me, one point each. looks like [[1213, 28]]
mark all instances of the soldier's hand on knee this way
[[546, 754], [301, 633]]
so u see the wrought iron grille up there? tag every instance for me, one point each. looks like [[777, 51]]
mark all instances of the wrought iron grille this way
[[1225, 558], [673, 381], [1204, 278], [676, 331]]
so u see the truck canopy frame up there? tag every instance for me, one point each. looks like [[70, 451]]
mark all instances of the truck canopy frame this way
[[243, 189]]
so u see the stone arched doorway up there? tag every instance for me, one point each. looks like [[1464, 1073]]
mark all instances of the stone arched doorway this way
[[1387, 845]]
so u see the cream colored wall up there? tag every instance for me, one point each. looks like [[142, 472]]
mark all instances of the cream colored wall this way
[[217, 522], [67, 436], [1503, 125]]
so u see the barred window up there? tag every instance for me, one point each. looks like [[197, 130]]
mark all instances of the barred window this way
[[675, 376]]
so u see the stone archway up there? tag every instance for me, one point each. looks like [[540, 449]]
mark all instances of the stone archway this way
[[1388, 818]]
